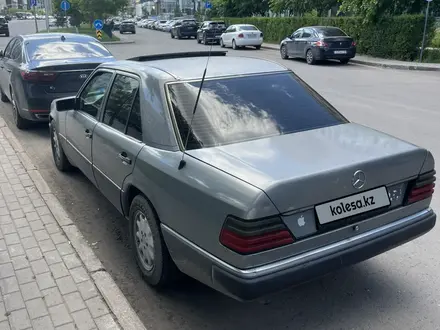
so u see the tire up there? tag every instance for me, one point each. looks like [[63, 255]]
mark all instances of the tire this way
[[172, 35], [310, 59], [19, 121], [159, 270], [7, 34], [59, 157], [198, 40], [4, 97], [205, 41], [257, 47], [283, 52], [344, 61], [134, 32], [222, 44], [234, 45]]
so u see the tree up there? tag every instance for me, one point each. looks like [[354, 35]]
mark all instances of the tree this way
[[177, 11], [300, 7]]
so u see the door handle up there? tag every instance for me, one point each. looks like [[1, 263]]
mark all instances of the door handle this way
[[9, 70], [123, 156], [88, 134]]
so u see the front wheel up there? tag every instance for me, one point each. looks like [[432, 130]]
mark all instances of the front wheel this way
[[150, 250], [234, 45], [59, 157], [283, 52], [205, 41], [310, 58], [4, 97], [222, 44]]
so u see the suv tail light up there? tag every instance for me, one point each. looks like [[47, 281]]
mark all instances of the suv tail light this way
[[251, 236], [38, 75], [321, 44], [422, 187], [261, 34], [353, 43], [241, 35]]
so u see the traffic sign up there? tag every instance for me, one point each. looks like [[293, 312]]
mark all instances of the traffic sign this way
[[99, 34], [65, 5], [34, 3], [208, 5], [98, 24]]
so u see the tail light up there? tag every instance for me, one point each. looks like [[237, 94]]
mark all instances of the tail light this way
[[251, 236], [353, 43], [261, 34], [321, 44], [241, 35], [422, 188], [38, 75]]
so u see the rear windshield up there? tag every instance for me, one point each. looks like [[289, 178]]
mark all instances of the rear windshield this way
[[239, 109], [215, 25], [162, 21], [44, 49], [331, 32], [189, 22], [248, 28]]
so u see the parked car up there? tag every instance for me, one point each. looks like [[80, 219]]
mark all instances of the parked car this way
[[167, 27], [117, 24], [317, 43], [326, 193], [156, 25], [4, 26], [35, 69], [210, 31], [186, 28], [242, 35], [127, 26], [161, 26]]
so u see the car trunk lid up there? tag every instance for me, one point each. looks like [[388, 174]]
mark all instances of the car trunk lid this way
[[338, 42], [309, 168]]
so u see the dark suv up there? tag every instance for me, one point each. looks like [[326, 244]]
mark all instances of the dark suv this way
[[186, 28], [210, 31], [4, 27], [127, 26]]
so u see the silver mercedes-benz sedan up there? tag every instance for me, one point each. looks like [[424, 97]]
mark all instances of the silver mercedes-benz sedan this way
[[262, 186]]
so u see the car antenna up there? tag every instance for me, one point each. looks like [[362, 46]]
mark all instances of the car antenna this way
[[182, 162]]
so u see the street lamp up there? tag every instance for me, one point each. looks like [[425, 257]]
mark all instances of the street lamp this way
[[424, 30]]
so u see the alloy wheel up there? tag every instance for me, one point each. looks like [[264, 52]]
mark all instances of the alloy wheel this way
[[56, 146], [14, 108], [144, 241]]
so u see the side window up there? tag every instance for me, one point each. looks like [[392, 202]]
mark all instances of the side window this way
[[307, 34], [120, 101], [9, 47], [92, 96], [16, 52], [134, 126], [297, 34], [229, 29]]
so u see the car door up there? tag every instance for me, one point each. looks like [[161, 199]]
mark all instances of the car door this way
[[303, 42], [12, 68], [292, 44], [227, 40], [81, 122], [200, 31], [4, 74], [116, 143]]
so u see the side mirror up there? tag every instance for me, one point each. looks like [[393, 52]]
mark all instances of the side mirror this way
[[66, 104]]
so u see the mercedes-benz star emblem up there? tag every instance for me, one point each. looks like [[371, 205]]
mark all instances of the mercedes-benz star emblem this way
[[359, 179]]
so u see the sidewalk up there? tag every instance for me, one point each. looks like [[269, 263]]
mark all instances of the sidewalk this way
[[49, 277], [382, 63]]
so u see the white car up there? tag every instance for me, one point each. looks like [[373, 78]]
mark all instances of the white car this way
[[162, 25], [242, 35]]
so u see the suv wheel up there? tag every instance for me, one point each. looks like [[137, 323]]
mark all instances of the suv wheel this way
[[151, 253], [198, 40], [59, 157]]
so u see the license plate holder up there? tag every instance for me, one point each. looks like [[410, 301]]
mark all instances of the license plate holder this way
[[340, 52], [352, 205]]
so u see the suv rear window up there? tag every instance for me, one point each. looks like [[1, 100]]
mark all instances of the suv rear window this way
[[238, 109], [189, 22], [45, 49], [215, 25], [331, 32]]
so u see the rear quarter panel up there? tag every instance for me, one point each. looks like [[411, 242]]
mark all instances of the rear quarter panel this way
[[195, 200]]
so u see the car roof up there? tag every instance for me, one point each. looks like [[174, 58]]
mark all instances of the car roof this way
[[188, 68], [53, 36]]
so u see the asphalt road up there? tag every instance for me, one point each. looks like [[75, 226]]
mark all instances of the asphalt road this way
[[397, 290]]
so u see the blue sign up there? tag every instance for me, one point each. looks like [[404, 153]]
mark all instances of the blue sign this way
[[208, 5], [98, 24], [34, 3], [65, 5]]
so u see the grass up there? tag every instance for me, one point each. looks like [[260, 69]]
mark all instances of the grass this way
[[85, 30]]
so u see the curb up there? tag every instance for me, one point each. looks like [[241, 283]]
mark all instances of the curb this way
[[115, 299], [118, 42], [413, 67]]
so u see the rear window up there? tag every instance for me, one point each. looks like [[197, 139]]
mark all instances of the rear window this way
[[215, 25], [3, 20], [246, 108], [189, 22], [44, 49], [331, 32], [248, 28]]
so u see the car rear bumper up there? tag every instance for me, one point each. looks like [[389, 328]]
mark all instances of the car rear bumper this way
[[188, 33], [329, 54], [38, 109], [249, 284], [241, 42]]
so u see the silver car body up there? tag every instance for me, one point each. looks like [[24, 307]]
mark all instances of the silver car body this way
[[285, 176]]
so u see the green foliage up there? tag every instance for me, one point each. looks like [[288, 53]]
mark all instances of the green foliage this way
[[301, 7], [392, 37], [431, 56], [240, 8], [436, 40]]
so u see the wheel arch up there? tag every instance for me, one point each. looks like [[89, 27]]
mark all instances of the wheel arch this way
[[129, 192]]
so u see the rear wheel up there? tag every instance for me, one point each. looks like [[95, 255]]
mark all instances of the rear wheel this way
[[310, 58], [151, 253], [345, 61], [283, 52], [19, 121], [172, 35], [7, 34], [198, 40], [257, 47], [59, 157], [3, 97]]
